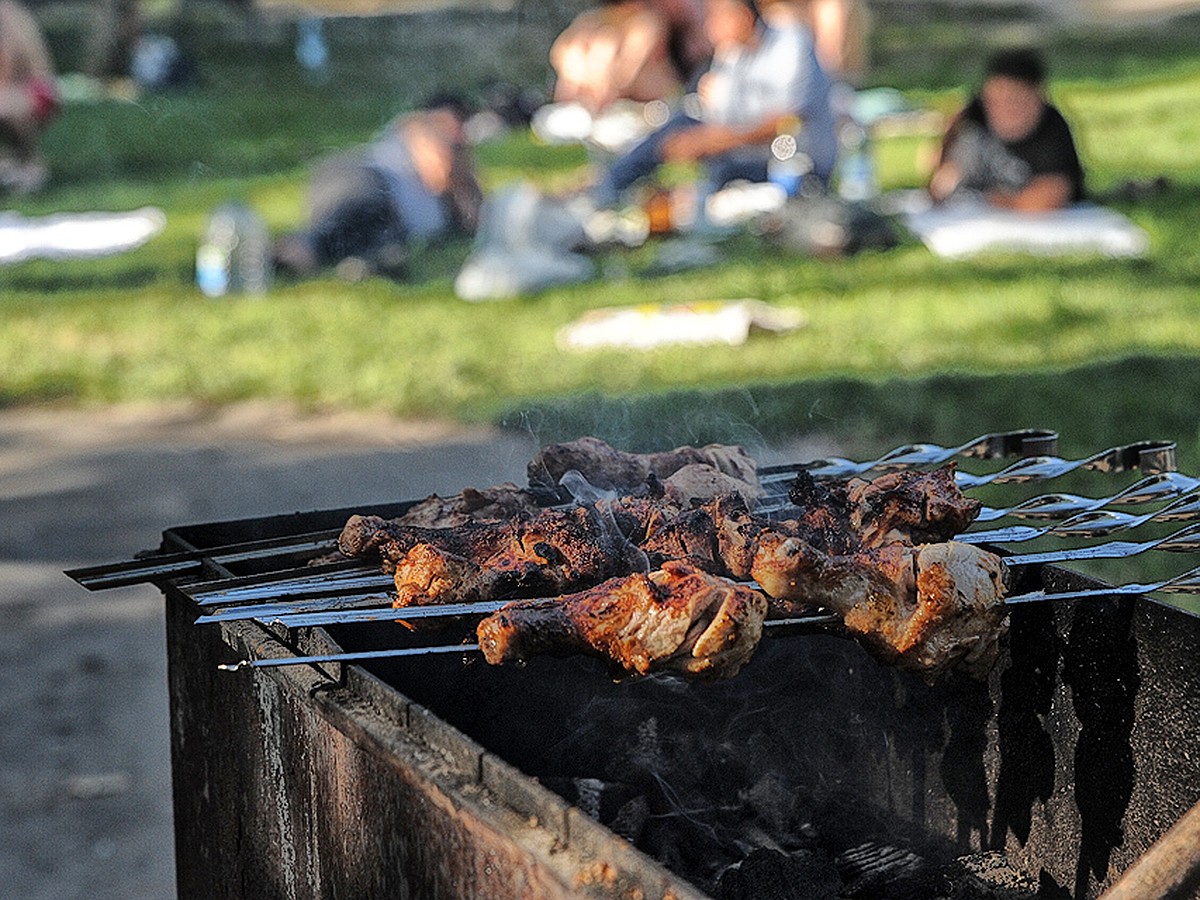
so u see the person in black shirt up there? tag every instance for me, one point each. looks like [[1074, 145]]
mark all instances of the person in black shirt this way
[[1009, 145]]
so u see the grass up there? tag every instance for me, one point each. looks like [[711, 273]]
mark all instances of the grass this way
[[897, 344]]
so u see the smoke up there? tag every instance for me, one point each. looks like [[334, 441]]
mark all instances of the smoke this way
[[599, 502]]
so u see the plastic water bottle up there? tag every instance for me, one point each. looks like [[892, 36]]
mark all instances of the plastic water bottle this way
[[234, 256], [788, 168], [311, 50], [857, 181]]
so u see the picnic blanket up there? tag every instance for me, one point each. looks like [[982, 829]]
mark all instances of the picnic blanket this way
[[76, 235], [961, 229]]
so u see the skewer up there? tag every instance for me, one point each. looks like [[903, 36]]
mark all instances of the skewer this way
[[1152, 488], [298, 614], [1186, 540], [362, 581], [346, 657], [271, 611], [1148, 456], [344, 609], [301, 582], [1152, 457], [148, 568], [1022, 442], [1095, 523], [1187, 583], [139, 571], [780, 627]]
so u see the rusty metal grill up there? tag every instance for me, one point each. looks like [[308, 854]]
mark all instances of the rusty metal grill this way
[[411, 775]]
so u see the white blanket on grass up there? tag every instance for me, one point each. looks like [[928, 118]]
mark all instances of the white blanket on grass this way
[[961, 229], [76, 235]]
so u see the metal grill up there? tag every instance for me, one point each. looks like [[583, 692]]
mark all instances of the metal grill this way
[[324, 779]]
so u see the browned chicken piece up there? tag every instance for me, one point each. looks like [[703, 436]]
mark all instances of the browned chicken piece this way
[[698, 482], [615, 470], [493, 504], [365, 535], [925, 609], [555, 551], [567, 549], [677, 619], [913, 506]]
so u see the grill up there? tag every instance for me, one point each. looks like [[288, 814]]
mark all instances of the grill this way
[[815, 772]]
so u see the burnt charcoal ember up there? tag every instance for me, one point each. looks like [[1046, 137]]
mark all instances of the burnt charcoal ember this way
[[884, 872], [630, 820], [772, 875]]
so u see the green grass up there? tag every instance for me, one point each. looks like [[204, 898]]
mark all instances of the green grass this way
[[896, 344]]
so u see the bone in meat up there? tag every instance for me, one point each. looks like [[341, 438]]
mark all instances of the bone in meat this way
[[677, 619], [925, 608]]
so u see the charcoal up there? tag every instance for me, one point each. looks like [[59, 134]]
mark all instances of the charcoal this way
[[631, 819], [771, 875]]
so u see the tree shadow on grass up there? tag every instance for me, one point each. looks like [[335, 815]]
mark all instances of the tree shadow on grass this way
[[75, 276]]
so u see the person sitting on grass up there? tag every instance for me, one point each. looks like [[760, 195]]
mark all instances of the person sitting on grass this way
[[639, 50], [764, 81], [367, 207], [28, 99], [1010, 146]]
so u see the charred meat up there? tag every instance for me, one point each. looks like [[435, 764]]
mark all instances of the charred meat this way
[[558, 550], [553, 552], [609, 469], [912, 506], [492, 504], [677, 619]]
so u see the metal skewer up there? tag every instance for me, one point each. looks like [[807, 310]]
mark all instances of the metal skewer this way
[[1152, 488], [161, 565], [781, 627], [1148, 456], [1095, 523], [1187, 583], [348, 588], [346, 657], [362, 581], [1186, 540], [139, 571], [294, 583], [1022, 442]]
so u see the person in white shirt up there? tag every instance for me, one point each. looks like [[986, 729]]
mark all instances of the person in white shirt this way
[[764, 81]]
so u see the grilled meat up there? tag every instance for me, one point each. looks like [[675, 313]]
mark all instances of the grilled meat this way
[[912, 506], [926, 608], [493, 504], [677, 619], [614, 470], [367, 535], [553, 552], [559, 550]]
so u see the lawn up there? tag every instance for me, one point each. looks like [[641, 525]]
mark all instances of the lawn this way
[[898, 345]]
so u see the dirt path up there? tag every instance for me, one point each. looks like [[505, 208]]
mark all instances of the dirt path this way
[[84, 748]]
